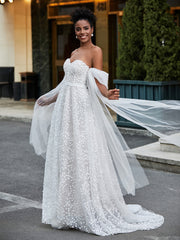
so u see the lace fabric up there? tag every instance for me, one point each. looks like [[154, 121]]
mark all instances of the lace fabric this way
[[88, 164]]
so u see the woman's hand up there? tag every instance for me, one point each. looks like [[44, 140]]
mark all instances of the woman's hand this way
[[113, 94], [42, 101]]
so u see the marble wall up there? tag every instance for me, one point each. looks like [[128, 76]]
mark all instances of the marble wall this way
[[41, 44], [15, 37], [7, 35], [101, 11]]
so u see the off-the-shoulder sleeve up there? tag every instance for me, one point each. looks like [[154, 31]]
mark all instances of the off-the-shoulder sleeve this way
[[100, 75], [162, 118]]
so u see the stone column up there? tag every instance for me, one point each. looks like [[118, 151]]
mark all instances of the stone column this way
[[101, 11]]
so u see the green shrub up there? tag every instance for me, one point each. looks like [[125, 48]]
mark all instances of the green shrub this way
[[131, 47], [161, 40], [149, 47]]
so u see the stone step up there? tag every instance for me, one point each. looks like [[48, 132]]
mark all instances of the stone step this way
[[168, 147], [151, 156]]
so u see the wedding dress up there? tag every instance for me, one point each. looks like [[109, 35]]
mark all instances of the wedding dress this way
[[88, 164]]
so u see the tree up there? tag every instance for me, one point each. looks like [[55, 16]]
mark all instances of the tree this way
[[131, 46], [162, 42]]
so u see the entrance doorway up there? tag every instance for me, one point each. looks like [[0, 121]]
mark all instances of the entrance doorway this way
[[108, 19]]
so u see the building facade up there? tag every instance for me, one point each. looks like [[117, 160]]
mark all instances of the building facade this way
[[37, 36]]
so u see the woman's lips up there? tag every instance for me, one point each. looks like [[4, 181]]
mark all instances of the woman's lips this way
[[83, 37]]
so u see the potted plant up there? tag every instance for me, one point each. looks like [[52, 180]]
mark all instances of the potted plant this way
[[148, 66]]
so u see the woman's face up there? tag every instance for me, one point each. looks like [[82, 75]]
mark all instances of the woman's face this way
[[83, 31]]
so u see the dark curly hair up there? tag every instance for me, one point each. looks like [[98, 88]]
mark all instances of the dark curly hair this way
[[83, 14]]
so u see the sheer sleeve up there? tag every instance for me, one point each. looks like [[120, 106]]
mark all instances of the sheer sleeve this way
[[41, 121]]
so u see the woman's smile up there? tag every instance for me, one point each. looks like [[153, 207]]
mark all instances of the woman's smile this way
[[83, 36]]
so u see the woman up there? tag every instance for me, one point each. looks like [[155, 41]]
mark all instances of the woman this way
[[88, 164]]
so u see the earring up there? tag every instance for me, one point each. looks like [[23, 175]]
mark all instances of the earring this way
[[76, 37], [92, 34]]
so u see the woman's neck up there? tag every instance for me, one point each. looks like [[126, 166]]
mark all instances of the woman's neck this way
[[86, 45]]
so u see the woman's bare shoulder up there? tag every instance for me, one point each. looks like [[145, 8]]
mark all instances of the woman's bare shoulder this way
[[97, 57], [73, 52], [97, 50]]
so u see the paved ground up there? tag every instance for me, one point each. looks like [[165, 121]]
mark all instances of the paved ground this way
[[16, 109], [21, 179]]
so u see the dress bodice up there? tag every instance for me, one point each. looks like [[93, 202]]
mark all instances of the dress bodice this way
[[75, 72]]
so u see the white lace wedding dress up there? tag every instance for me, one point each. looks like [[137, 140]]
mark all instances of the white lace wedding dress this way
[[81, 182]]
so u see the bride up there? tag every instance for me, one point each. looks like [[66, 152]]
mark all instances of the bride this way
[[88, 164]]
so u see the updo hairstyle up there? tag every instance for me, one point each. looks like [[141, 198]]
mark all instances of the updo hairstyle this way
[[83, 14]]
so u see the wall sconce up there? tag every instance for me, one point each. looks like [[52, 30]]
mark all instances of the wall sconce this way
[[4, 1]]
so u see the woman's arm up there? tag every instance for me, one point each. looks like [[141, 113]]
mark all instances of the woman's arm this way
[[97, 61]]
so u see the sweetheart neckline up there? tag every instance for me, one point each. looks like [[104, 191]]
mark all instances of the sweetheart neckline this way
[[78, 60], [85, 65]]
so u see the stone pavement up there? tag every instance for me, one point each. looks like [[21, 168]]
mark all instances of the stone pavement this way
[[17, 110], [21, 181]]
